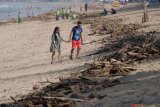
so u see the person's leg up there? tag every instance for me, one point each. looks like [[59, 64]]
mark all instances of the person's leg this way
[[19, 20], [59, 55], [72, 50], [78, 48], [62, 16], [78, 51], [53, 53], [58, 17], [67, 16]]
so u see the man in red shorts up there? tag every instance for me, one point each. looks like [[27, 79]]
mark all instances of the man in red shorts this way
[[77, 40]]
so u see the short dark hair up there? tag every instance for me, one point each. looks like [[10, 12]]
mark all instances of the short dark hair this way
[[79, 22]]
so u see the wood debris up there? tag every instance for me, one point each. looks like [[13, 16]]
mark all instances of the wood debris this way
[[102, 26], [78, 87]]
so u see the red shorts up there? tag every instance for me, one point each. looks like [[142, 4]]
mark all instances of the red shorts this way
[[76, 44]]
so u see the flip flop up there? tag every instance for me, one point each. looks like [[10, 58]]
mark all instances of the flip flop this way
[[71, 58]]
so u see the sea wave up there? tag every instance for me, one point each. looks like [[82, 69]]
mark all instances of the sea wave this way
[[4, 6]]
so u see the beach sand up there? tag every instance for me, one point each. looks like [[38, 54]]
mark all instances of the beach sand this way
[[25, 59]]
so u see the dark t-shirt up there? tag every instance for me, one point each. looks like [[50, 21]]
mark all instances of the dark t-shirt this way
[[76, 33], [113, 11]]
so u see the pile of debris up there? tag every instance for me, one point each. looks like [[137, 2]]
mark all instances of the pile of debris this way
[[109, 68], [127, 43], [89, 17], [7, 22], [115, 27], [95, 6], [79, 87], [44, 17], [134, 48]]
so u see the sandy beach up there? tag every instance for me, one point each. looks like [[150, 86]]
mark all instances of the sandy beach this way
[[25, 55], [25, 60]]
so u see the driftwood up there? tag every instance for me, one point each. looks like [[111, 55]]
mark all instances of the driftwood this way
[[70, 90], [16, 101], [62, 98]]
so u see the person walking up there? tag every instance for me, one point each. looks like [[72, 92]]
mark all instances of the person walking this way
[[60, 10], [57, 14], [63, 13], [86, 7], [67, 13], [80, 8], [19, 18], [77, 39], [56, 41]]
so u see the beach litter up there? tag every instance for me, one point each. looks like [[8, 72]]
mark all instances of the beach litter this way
[[79, 87], [129, 46]]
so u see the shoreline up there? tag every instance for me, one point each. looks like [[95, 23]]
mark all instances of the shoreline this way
[[45, 16], [10, 9]]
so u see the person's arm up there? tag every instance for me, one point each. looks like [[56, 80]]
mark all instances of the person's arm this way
[[70, 36], [81, 36], [81, 39], [62, 38]]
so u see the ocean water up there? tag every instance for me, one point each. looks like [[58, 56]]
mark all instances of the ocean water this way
[[9, 10]]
